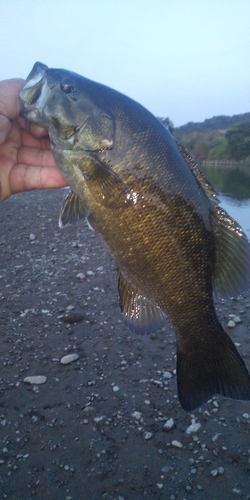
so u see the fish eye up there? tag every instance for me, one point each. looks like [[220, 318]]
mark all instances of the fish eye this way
[[67, 87]]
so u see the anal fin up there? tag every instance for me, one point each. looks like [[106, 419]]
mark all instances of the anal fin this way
[[140, 315]]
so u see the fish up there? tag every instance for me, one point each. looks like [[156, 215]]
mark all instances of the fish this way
[[158, 217]]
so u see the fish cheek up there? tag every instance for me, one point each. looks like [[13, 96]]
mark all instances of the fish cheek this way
[[97, 132], [62, 119]]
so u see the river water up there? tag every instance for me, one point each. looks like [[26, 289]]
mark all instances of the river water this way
[[232, 184]]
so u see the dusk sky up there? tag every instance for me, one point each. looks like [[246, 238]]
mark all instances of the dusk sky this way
[[188, 60]]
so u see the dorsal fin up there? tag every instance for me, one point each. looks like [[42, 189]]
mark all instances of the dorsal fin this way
[[232, 271]]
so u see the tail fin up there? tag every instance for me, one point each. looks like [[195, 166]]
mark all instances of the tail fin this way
[[202, 374]]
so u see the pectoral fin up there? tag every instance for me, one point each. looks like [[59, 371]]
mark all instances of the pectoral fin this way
[[140, 315], [106, 186], [72, 210]]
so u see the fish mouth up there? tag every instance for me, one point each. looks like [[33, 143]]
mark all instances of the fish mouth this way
[[34, 94]]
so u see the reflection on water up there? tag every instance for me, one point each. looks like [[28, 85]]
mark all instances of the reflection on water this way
[[233, 187]]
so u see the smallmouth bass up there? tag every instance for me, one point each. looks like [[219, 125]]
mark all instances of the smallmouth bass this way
[[158, 217]]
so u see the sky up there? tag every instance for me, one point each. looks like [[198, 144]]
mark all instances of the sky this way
[[185, 59]]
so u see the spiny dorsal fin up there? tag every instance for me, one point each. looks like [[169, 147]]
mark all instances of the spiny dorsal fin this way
[[200, 176], [140, 315]]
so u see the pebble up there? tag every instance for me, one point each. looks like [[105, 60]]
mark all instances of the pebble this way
[[32, 237], [72, 317], [136, 415], [231, 323], [193, 428], [176, 444], [246, 415], [215, 472], [65, 360], [167, 375], [148, 435], [80, 276], [169, 424], [36, 379], [90, 273], [115, 388]]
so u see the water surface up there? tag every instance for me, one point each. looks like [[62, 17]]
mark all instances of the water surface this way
[[232, 184]]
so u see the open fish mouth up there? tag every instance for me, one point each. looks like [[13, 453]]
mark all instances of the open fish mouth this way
[[34, 94]]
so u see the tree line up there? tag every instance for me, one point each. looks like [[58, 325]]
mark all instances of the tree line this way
[[218, 138]]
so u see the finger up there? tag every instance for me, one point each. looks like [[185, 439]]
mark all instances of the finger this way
[[36, 156], [30, 140], [9, 97], [5, 128], [36, 130], [28, 177]]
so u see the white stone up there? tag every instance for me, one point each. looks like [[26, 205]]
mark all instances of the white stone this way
[[32, 237], [69, 358], [148, 435], [246, 415], [167, 375], [36, 379], [237, 319], [169, 424], [193, 428], [176, 444], [80, 276], [90, 273], [136, 415], [231, 323], [115, 388]]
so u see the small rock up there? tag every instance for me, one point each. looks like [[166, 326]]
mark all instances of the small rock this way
[[80, 276], [193, 428], [159, 485], [136, 415], [65, 360], [237, 319], [90, 273], [72, 317], [36, 379], [148, 435], [115, 388], [32, 237], [246, 415], [214, 472], [231, 323], [169, 424], [99, 419], [165, 469], [167, 375], [221, 470], [176, 444]]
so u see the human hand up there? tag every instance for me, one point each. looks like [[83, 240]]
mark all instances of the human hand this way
[[26, 161]]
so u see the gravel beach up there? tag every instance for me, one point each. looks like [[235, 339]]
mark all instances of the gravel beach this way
[[101, 419]]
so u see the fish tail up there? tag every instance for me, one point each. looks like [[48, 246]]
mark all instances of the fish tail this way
[[203, 373]]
